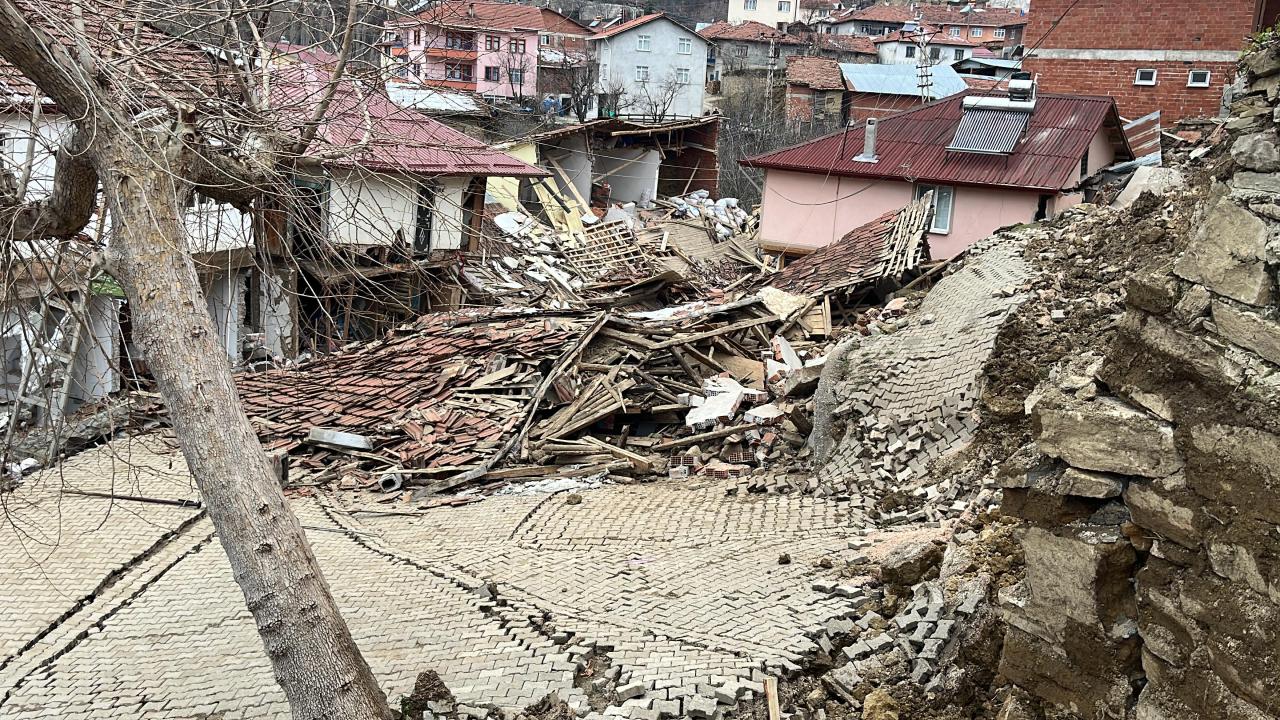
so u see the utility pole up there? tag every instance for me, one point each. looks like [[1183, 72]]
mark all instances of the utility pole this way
[[924, 65]]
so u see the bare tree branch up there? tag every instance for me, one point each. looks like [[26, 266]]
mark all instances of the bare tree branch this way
[[66, 210]]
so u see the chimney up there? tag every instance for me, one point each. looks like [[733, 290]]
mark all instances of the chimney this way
[[868, 143]]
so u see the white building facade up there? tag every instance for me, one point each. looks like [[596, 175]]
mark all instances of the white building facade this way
[[657, 64], [774, 13]]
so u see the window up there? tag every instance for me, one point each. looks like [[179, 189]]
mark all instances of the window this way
[[784, 6], [1145, 76], [975, 32], [866, 29], [493, 74], [515, 46], [544, 39], [943, 203], [642, 73], [911, 50], [457, 71], [417, 69], [604, 72], [516, 77], [959, 54], [749, 5], [644, 43], [417, 37], [686, 46], [955, 32], [682, 76], [935, 53], [1198, 78], [424, 218], [740, 51], [1000, 33], [492, 43], [459, 41], [1084, 164]]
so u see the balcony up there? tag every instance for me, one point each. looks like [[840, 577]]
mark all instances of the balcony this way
[[468, 85], [448, 53]]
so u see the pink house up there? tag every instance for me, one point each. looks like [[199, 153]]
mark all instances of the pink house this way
[[992, 159], [490, 48]]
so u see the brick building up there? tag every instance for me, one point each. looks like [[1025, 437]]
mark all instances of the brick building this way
[[1175, 56]]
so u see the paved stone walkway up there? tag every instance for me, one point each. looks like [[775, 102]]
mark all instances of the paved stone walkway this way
[[130, 611], [904, 400]]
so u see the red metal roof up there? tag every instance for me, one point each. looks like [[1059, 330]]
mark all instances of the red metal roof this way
[[990, 17], [912, 145], [364, 129]]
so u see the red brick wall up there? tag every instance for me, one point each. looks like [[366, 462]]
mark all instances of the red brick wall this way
[[1170, 95], [1185, 25], [1142, 24], [799, 103], [860, 106]]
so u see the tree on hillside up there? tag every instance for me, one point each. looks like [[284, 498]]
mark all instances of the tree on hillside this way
[[155, 122]]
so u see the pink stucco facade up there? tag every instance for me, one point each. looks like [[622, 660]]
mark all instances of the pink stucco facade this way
[[804, 211], [501, 63]]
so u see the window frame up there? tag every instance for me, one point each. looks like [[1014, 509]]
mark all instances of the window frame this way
[[935, 53], [497, 73], [684, 76], [975, 32], [1155, 77], [750, 4], [492, 43], [958, 54], [739, 51], [644, 43], [910, 50], [515, 76], [544, 39], [786, 3], [685, 46], [1000, 33], [517, 46], [1208, 78], [922, 188], [954, 31], [643, 77]]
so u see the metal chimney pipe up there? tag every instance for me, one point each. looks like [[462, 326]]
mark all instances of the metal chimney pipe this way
[[868, 142]]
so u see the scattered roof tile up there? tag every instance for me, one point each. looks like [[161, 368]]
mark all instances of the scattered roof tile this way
[[888, 246]]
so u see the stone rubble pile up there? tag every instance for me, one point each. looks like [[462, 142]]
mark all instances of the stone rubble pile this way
[[1152, 582]]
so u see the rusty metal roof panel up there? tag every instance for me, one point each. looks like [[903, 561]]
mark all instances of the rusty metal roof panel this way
[[912, 146]]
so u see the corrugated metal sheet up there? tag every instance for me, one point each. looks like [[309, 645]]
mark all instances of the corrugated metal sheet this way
[[913, 146], [1143, 135], [989, 131], [900, 79]]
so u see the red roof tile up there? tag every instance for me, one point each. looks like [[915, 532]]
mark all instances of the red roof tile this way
[[937, 39], [818, 73], [844, 43], [883, 13], [478, 16], [912, 145], [991, 17], [748, 31], [628, 25]]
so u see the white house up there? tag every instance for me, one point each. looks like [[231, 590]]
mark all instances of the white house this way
[[901, 48], [657, 64], [380, 189], [774, 13]]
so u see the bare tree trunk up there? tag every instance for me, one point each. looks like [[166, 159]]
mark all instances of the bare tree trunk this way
[[312, 653]]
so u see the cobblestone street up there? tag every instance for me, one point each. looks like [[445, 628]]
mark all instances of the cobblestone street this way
[[127, 608]]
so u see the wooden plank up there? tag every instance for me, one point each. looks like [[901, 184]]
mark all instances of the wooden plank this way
[[771, 694], [735, 327], [639, 462], [712, 435]]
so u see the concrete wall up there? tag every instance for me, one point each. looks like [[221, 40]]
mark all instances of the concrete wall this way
[[572, 155], [807, 211], [765, 11], [94, 373], [371, 208], [630, 181], [447, 227], [619, 56], [506, 190], [895, 53]]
